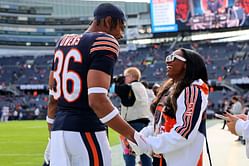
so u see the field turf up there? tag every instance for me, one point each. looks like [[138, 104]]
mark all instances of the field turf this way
[[22, 143]]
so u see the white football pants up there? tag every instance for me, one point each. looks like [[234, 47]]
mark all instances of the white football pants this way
[[70, 148]]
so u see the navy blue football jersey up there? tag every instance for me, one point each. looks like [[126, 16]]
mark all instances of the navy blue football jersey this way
[[74, 56]]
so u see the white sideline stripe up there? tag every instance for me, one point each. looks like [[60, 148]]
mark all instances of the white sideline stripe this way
[[21, 154]]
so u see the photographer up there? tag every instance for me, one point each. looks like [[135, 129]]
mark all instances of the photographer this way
[[134, 109]]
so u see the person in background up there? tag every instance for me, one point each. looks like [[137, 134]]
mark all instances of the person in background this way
[[5, 113], [134, 109], [179, 131], [15, 115], [225, 107], [236, 106], [236, 109], [36, 113]]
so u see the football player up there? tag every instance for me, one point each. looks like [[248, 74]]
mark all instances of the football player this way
[[82, 71]]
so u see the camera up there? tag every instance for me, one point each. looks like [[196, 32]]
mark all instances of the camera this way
[[119, 79]]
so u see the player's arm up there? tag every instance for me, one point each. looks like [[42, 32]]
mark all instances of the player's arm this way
[[104, 52], [52, 103], [102, 105]]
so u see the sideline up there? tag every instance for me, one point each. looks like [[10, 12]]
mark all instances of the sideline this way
[[223, 148], [225, 151]]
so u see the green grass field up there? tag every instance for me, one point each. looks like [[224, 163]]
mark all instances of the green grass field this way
[[22, 143]]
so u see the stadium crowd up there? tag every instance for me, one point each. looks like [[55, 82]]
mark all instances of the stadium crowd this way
[[224, 61]]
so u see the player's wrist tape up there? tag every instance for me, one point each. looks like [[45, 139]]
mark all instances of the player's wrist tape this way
[[110, 116], [97, 90], [49, 120]]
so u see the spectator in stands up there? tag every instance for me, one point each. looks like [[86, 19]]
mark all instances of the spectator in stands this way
[[134, 109], [178, 133]]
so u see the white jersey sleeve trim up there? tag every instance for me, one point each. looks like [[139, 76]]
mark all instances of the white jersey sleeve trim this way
[[49, 120], [97, 90]]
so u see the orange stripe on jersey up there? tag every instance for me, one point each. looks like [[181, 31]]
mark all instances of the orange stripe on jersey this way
[[108, 39], [161, 160], [200, 160], [179, 128], [93, 148], [204, 88], [191, 109], [160, 108], [103, 48], [188, 114], [101, 43]]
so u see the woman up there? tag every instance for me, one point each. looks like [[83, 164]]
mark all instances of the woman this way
[[178, 134]]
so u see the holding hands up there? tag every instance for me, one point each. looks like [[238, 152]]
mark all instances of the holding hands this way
[[141, 146]]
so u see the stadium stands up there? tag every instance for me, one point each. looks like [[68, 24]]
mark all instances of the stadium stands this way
[[225, 61], [34, 27]]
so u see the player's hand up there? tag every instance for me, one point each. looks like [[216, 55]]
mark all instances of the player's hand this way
[[231, 122], [47, 153], [141, 145], [134, 147]]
